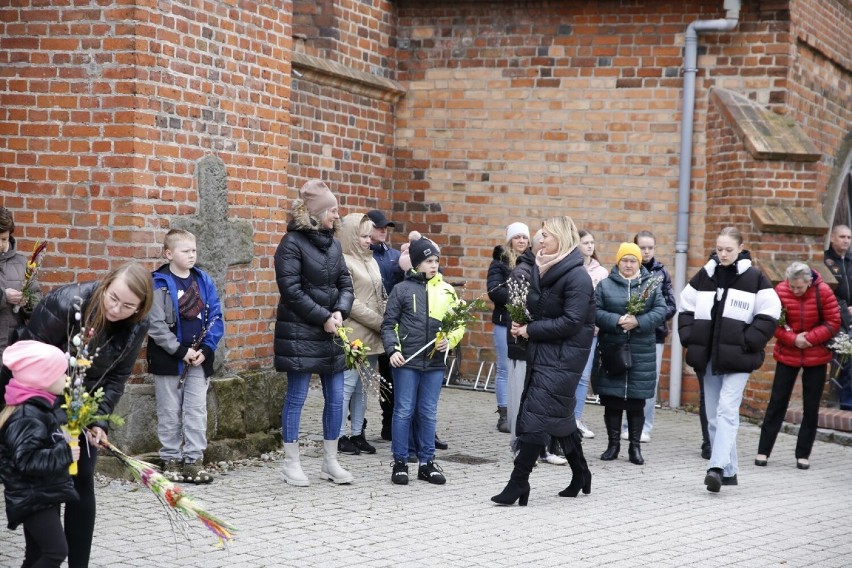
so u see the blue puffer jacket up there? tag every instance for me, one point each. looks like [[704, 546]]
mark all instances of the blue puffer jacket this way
[[611, 297]]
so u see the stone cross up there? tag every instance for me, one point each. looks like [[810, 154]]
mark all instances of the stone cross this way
[[221, 242]]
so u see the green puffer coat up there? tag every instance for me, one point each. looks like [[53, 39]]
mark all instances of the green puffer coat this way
[[611, 297]]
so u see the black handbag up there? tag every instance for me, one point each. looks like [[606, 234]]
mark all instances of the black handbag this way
[[616, 359]]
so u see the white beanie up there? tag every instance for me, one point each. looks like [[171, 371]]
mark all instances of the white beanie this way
[[517, 229]]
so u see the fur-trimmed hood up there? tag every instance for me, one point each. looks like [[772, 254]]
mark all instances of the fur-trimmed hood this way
[[301, 219]]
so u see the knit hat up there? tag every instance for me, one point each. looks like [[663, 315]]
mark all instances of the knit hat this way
[[420, 250], [517, 229], [35, 364], [317, 197], [625, 249]]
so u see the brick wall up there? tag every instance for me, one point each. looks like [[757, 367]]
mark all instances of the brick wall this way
[[106, 108]]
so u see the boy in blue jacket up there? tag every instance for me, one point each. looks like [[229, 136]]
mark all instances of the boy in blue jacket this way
[[185, 328]]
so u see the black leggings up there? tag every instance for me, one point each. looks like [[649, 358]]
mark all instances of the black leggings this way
[[46, 546], [80, 515]]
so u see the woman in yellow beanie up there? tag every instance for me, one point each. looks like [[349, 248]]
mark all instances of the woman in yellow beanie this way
[[630, 306]]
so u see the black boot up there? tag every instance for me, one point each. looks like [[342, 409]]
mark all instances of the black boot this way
[[502, 420], [635, 422], [581, 477], [612, 421], [518, 488], [706, 448]]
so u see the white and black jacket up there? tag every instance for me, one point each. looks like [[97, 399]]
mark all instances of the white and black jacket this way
[[727, 323]]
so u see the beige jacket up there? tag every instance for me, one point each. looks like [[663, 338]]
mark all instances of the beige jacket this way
[[365, 319]]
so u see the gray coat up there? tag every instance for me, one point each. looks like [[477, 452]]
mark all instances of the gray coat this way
[[13, 265], [611, 297]]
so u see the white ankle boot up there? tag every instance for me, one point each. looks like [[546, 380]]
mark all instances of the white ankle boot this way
[[292, 469], [331, 470]]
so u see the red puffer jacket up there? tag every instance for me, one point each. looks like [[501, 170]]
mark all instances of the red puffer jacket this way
[[803, 315]]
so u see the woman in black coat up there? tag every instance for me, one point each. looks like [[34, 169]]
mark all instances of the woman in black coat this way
[[626, 390], [116, 310], [561, 303], [316, 296]]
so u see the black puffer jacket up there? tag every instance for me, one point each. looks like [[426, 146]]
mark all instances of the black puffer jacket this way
[[498, 273], [34, 460], [730, 329], [314, 282], [562, 305], [522, 271], [53, 323]]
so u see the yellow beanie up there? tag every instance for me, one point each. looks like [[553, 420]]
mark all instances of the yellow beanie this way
[[628, 249]]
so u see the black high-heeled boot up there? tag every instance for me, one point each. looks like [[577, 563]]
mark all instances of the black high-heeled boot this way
[[635, 422], [518, 488], [612, 421], [581, 477]]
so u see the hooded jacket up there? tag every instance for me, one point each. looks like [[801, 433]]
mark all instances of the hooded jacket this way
[[13, 266], [313, 282], [498, 273], [53, 322], [165, 350], [34, 460], [413, 317], [819, 320], [368, 307], [657, 269], [388, 260], [611, 297], [731, 324], [562, 307]]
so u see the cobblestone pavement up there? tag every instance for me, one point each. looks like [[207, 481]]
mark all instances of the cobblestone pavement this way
[[657, 515]]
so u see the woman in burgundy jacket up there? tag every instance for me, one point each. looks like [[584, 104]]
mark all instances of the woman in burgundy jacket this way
[[812, 319]]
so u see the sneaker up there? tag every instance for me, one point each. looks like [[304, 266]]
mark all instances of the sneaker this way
[[584, 430], [645, 437], [173, 470], [552, 459], [362, 444], [732, 480], [400, 473], [431, 472], [345, 446], [713, 479], [193, 472]]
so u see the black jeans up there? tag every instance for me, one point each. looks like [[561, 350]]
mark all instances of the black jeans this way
[[80, 515], [813, 381], [46, 546]]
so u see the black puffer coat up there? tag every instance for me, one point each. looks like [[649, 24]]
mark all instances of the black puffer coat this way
[[51, 322], [314, 282], [522, 271], [727, 316], [498, 273], [611, 298], [34, 460], [562, 306]]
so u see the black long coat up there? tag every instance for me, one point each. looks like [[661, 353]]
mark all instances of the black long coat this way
[[562, 305], [314, 282]]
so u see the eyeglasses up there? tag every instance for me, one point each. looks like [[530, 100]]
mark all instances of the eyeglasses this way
[[113, 301]]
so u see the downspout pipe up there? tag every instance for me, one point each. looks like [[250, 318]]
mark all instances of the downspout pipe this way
[[690, 68]]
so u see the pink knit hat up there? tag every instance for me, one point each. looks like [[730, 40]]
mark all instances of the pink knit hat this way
[[35, 364], [317, 197]]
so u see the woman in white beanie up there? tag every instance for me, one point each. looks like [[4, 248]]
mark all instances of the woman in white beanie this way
[[316, 296], [502, 263]]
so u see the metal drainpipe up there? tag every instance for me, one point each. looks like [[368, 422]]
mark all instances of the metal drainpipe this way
[[690, 63]]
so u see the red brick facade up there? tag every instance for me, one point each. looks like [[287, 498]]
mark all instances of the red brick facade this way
[[512, 111]]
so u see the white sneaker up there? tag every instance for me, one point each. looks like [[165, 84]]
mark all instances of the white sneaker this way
[[584, 430], [553, 459], [625, 435], [646, 436]]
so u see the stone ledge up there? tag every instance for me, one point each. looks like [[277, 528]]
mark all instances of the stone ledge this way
[[829, 418], [789, 220], [334, 74], [775, 270], [766, 134]]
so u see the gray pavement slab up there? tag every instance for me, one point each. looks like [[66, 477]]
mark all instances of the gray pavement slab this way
[[659, 514]]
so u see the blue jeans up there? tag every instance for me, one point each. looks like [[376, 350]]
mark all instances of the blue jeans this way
[[501, 380], [583, 385], [722, 397], [415, 392], [297, 393], [355, 399]]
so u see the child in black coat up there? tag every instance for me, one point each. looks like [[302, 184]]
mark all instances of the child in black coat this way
[[34, 453]]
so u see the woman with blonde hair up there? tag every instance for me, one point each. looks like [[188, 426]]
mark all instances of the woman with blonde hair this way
[[562, 309]]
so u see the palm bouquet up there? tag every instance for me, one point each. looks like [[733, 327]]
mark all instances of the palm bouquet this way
[[458, 316], [356, 359], [842, 347], [80, 406], [33, 265], [636, 302]]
